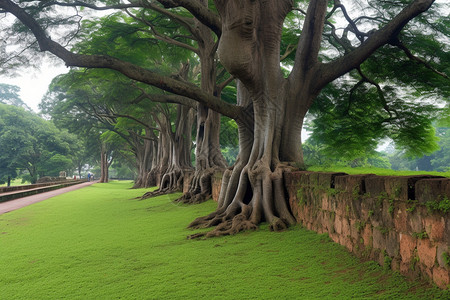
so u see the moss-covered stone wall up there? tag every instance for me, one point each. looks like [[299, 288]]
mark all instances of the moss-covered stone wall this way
[[402, 223]]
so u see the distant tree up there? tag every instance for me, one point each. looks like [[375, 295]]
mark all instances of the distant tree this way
[[31, 143], [436, 161], [9, 94]]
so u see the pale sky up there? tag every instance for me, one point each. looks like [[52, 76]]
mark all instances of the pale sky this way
[[34, 83]]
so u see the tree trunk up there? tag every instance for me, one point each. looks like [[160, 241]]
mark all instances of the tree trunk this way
[[104, 166], [174, 152], [208, 156], [144, 154], [253, 190]]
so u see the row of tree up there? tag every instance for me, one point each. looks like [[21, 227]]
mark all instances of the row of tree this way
[[262, 64]]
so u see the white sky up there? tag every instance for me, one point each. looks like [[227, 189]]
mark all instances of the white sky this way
[[34, 83]]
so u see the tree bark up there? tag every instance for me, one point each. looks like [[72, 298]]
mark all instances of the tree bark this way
[[253, 190], [143, 153], [104, 164], [208, 156], [174, 151]]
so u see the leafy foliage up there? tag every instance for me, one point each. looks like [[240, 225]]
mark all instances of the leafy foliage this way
[[30, 143], [9, 94]]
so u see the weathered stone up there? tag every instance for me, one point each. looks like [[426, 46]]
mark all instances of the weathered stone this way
[[345, 227], [426, 252], [387, 215], [353, 184], [434, 227], [338, 224], [376, 223], [397, 187], [407, 246], [431, 190], [447, 230], [367, 236], [441, 277], [400, 218], [443, 249], [392, 243], [379, 239], [354, 229], [415, 224]]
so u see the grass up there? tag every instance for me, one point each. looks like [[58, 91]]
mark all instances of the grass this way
[[377, 171], [98, 243], [17, 181]]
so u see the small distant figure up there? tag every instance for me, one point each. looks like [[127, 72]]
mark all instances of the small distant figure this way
[[89, 176], [92, 177], [75, 177]]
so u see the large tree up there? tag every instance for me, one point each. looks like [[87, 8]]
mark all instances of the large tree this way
[[31, 143], [271, 104]]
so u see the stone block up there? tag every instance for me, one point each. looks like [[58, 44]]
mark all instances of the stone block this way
[[430, 190], [441, 277], [442, 249], [392, 244], [387, 215], [327, 180], [379, 239], [434, 227], [338, 224], [427, 252], [367, 236], [400, 217], [353, 184], [345, 227], [354, 229], [447, 230], [407, 246], [415, 222]]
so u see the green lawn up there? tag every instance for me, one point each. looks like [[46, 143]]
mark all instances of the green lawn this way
[[98, 243], [377, 171], [15, 182]]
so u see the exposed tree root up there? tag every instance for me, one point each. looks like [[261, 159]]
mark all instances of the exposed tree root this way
[[171, 182], [199, 189], [259, 197]]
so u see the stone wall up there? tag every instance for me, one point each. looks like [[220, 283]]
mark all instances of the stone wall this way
[[401, 222]]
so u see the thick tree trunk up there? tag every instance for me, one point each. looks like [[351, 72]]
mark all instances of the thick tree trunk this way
[[144, 154], [253, 191], [174, 153], [208, 156]]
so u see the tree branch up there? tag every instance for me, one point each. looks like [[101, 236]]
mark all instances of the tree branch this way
[[330, 71], [396, 42], [199, 11], [128, 69], [310, 39]]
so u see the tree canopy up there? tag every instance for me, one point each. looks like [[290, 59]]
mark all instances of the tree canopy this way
[[31, 143]]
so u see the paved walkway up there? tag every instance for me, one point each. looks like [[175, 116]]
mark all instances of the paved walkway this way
[[25, 201]]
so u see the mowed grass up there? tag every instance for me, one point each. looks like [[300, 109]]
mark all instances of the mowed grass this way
[[99, 243], [377, 171], [15, 182]]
